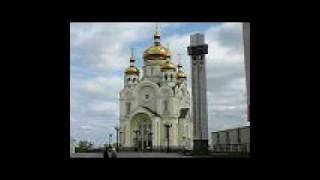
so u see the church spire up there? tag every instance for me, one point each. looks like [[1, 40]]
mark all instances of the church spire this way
[[169, 52], [156, 36], [179, 61], [180, 74], [132, 58], [132, 69]]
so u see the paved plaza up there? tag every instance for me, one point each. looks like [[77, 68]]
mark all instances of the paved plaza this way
[[153, 155], [131, 155]]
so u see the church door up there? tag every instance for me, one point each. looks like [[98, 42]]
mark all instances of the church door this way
[[141, 126]]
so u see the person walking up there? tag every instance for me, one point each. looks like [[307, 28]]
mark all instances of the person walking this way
[[106, 153], [113, 153]]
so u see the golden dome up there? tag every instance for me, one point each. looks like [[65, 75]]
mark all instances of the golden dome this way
[[167, 65], [132, 70], [156, 52], [181, 75]]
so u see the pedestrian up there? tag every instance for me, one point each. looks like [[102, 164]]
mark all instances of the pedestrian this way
[[113, 153], [106, 153]]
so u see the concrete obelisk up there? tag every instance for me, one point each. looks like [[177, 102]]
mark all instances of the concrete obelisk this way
[[246, 40], [197, 50]]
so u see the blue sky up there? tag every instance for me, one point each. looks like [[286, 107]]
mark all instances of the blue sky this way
[[99, 53]]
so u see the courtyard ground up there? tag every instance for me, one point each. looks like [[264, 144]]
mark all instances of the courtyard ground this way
[[157, 155]]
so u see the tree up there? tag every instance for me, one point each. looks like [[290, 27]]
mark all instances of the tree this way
[[84, 146]]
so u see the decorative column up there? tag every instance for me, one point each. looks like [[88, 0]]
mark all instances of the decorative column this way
[[155, 132]]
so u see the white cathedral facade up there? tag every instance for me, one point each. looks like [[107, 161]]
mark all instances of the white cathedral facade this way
[[155, 108]]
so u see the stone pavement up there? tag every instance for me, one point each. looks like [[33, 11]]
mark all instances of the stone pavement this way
[[131, 155], [150, 155], [156, 155], [86, 155]]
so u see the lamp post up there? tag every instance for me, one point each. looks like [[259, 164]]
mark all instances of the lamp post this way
[[148, 132], [136, 131], [168, 126], [117, 128], [120, 144], [151, 133], [142, 138], [110, 139]]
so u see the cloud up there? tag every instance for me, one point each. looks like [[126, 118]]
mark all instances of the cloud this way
[[225, 73], [230, 35], [94, 104], [85, 127], [226, 92], [104, 46]]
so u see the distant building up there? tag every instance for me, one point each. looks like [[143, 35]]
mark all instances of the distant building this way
[[231, 140], [72, 146]]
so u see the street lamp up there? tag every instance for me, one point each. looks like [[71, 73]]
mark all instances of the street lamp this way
[[136, 131], [121, 139], [151, 133], [110, 139], [148, 132], [168, 126], [184, 144], [117, 128]]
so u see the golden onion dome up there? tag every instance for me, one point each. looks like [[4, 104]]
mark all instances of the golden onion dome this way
[[181, 75], [168, 65], [156, 52], [132, 70]]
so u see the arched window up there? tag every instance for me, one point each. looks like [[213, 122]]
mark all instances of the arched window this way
[[128, 79], [165, 77], [171, 77]]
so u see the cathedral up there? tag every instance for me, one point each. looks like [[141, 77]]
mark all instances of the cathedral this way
[[155, 105]]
